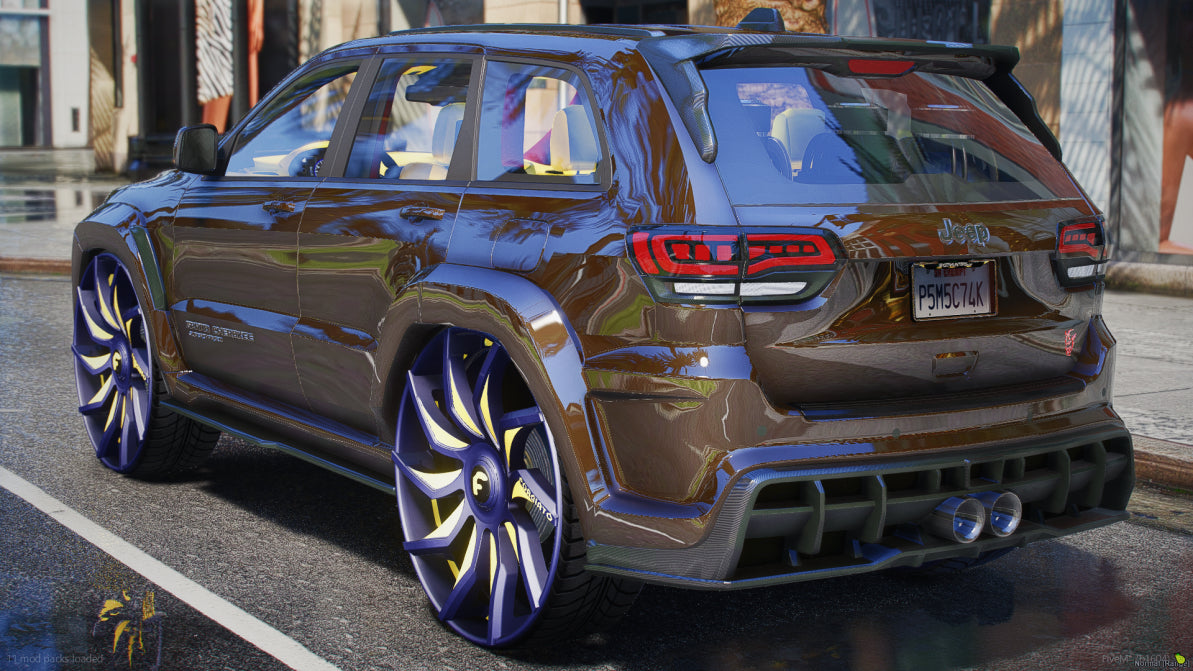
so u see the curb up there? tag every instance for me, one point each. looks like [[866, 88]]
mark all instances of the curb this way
[[35, 266], [1163, 462], [1153, 278]]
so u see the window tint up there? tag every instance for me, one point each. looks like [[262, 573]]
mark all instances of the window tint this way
[[793, 135], [290, 136], [536, 125], [411, 120]]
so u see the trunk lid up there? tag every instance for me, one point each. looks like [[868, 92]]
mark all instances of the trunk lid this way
[[863, 339]]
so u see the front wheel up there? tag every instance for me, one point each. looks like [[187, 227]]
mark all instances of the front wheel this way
[[485, 508], [119, 386]]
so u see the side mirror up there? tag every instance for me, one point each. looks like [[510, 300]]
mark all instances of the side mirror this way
[[195, 149]]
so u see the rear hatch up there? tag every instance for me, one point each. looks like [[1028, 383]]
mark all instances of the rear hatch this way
[[941, 209]]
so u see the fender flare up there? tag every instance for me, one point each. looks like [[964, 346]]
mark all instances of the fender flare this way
[[121, 230], [525, 318], [536, 332]]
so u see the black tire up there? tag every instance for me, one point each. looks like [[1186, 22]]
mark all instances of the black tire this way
[[120, 388], [174, 443], [487, 514], [581, 602]]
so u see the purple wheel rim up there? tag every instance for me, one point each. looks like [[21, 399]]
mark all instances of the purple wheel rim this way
[[113, 368], [478, 487]]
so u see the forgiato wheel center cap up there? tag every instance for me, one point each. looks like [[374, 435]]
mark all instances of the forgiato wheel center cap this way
[[485, 483], [481, 485], [122, 365]]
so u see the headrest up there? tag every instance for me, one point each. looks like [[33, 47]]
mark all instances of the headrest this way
[[426, 171], [573, 140], [795, 127], [447, 129]]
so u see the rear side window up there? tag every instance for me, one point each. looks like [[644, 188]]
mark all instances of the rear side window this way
[[412, 120], [793, 135], [536, 125]]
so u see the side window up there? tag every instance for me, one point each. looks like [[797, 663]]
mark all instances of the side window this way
[[536, 125], [411, 121], [290, 136]]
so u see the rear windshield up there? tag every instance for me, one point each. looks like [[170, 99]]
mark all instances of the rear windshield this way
[[792, 135]]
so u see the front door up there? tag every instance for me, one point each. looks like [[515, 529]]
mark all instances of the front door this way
[[234, 275], [365, 233]]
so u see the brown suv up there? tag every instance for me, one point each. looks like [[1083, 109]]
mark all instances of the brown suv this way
[[717, 308]]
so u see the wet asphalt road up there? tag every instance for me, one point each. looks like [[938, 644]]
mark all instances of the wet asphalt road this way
[[319, 558]]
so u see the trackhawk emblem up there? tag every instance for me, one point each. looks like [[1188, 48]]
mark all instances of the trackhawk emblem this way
[[969, 233]]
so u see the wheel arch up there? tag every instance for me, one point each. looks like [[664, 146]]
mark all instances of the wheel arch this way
[[531, 326], [121, 230]]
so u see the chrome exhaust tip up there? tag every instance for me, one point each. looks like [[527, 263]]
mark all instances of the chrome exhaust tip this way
[[1003, 510], [957, 519]]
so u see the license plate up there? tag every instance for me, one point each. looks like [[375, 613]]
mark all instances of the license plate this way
[[943, 290]]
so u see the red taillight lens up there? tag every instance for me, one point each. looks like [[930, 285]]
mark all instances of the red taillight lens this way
[[780, 250], [1081, 237], [1080, 251], [686, 254], [750, 266]]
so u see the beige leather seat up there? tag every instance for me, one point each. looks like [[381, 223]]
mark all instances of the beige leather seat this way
[[574, 148], [443, 143], [794, 129]]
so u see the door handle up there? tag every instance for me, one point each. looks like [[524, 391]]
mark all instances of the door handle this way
[[277, 206], [417, 213]]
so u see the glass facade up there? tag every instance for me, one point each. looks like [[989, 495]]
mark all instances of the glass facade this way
[[23, 85]]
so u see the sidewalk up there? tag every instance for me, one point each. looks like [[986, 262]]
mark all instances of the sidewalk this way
[[43, 193]]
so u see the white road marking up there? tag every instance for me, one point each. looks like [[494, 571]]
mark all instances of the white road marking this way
[[273, 642]]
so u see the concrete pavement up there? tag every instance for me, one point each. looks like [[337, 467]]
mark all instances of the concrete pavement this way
[[43, 193]]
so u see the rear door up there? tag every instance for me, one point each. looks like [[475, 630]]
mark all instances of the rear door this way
[[542, 168], [236, 238], [383, 216]]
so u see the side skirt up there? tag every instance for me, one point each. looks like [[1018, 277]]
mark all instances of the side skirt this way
[[211, 394]]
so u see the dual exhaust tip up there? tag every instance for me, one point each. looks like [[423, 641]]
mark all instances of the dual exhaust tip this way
[[963, 518]]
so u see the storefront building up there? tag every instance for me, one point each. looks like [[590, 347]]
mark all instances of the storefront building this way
[[43, 74], [1110, 77]]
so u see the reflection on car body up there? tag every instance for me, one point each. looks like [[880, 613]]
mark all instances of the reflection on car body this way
[[607, 305]]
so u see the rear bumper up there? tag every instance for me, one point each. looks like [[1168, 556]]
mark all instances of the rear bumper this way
[[789, 524]]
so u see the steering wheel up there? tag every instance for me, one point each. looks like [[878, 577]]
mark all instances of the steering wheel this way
[[304, 161], [391, 166]]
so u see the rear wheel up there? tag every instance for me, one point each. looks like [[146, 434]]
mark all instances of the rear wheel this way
[[119, 387], [486, 511]]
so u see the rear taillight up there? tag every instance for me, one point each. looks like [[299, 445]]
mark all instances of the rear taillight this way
[[753, 266], [1080, 251]]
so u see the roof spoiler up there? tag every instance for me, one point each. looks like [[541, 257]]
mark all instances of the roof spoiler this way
[[675, 58]]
